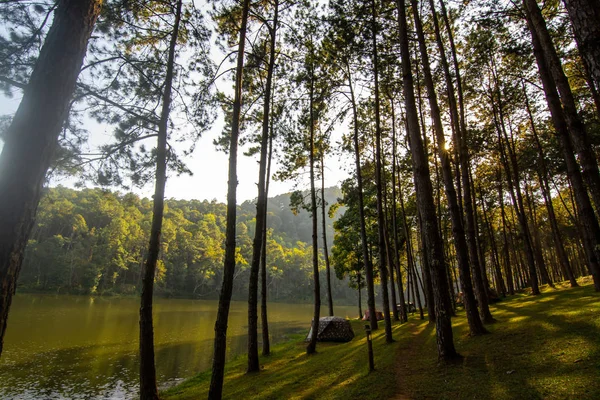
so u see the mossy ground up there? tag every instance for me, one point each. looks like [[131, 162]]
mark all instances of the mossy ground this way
[[544, 347]]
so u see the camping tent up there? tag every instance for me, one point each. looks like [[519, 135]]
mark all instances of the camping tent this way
[[333, 329], [378, 314]]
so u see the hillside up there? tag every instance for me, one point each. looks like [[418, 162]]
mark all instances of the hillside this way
[[93, 241]]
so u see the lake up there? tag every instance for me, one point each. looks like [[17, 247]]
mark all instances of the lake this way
[[77, 347]]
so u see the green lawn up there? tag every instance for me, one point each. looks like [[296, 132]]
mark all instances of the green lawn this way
[[541, 347]]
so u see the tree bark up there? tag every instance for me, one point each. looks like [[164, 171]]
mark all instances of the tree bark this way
[[500, 286], [579, 137], [545, 187], [461, 142], [264, 320], [261, 209], [514, 184], [378, 179], [460, 244], [587, 216], [148, 389], [325, 246], [424, 190], [220, 344], [312, 345], [361, 210], [403, 316], [584, 16], [32, 136], [410, 263]]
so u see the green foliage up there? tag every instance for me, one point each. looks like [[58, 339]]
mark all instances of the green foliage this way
[[94, 242]]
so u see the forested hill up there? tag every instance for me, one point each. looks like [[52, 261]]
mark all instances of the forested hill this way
[[94, 241]]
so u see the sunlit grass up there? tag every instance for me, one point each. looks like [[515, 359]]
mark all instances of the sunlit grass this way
[[541, 347], [337, 371], [545, 347]]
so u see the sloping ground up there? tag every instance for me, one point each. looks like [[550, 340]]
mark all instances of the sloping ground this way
[[337, 371], [545, 347]]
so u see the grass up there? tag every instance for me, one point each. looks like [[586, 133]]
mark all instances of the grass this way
[[541, 347]]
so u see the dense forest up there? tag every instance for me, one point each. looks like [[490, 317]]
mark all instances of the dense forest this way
[[93, 242], [472, 129]]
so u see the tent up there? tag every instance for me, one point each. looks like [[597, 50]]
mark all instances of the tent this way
[[378, 314], [333, 329]]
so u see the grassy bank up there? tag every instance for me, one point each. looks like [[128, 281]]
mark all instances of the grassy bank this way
[[337, 371], [542, 347], [545, 347]]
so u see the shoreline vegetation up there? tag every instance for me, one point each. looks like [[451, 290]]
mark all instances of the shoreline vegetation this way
[[540, 347]]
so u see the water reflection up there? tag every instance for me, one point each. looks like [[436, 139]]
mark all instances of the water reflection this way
[[77, 347]]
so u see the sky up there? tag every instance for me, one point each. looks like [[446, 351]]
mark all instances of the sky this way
[[209, 167]]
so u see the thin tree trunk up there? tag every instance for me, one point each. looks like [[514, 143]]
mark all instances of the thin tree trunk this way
[[215, 391], [148, 389], [507, 266], [378, 179], [424, 191], [361, 211], [500, 287], [514, 186], [360, 313], [312, 344], [403, 316], [31, 138], [426, 285], [264, 320], [325, 247], [543, 178], [539, 256], [409, 255], [261, 209]]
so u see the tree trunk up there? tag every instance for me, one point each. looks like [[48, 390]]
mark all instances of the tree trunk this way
[[507, 266], [461, 142], [410, 264], [539, 256], [31, 138], [579, 138], [584, 15], [361, 211], [587, 217], [500, 287], [261, 208], [424, 191], [545, 187], [514, 186], [312, 345], [378, 179], [460, 244], [264, 320], [148, 389], [403, 316], [325, 247], [220, 344]]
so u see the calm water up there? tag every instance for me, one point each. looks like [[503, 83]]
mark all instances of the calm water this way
[[74, 347]]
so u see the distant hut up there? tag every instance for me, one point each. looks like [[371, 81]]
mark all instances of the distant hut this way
[[333, 329]]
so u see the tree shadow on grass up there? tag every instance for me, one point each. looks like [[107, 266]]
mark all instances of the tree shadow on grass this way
[[543, 347]]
